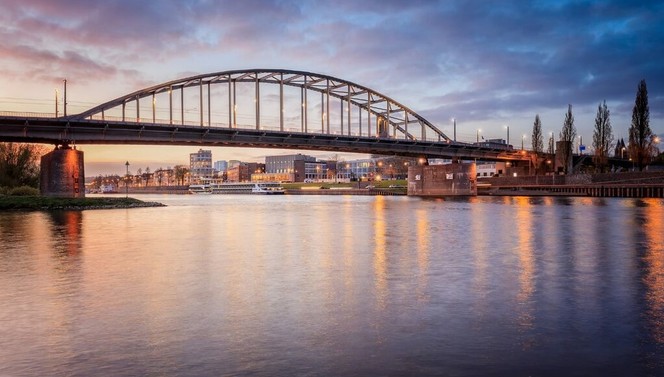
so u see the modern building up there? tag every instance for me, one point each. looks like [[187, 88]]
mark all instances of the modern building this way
[[200, 165], [244, 171], [291, 167], [221, 166]]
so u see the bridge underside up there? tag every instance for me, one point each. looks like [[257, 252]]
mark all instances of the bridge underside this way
[[55, 131]]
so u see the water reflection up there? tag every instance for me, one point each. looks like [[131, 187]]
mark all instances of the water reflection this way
[[66, 232], [524, 229], [336, 286], [653, 223], [423, 228], [380, 250]]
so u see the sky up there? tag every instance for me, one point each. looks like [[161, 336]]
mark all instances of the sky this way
[[488, 64]]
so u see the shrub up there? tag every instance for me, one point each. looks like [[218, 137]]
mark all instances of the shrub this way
[[4, 190], [23, 191]]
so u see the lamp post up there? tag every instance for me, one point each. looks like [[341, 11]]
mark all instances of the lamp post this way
[[127, 180], [508, 134], [478, 135], [454, 123], [522, 139]]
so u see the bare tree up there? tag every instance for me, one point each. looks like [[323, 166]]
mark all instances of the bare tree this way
[[602, 136], [641, 139], [567, 136]]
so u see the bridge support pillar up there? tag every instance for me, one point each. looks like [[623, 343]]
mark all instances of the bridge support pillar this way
[[62, 173], [442, 180]]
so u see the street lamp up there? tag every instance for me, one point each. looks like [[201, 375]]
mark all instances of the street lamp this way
[[508, 135], [522, 139], [454, 122], [478, 135], [127, 180]]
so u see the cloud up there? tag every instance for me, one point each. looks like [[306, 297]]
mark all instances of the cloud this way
[[482, 59]]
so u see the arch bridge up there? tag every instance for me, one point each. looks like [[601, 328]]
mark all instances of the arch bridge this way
[[259, 108]]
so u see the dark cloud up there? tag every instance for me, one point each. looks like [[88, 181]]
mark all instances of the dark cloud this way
[[477, 58]]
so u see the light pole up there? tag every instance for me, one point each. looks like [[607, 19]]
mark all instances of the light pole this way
[[508, 135], [127, 180], [478, 135], [454, 122], [65, 99], [522, 139]]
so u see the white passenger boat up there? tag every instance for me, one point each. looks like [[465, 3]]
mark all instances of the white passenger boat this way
[[247, 188], [260, 189], [200, 189]]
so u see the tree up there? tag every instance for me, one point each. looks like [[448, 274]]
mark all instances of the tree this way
[[537, 139], [180, 174], [19, 164], [641, 138], [567, 136], [146, 176], [602, 136]]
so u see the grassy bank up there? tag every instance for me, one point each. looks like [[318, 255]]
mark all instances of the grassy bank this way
[[42, 203]]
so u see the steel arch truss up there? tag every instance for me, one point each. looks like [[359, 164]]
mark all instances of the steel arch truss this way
[[362, 112]]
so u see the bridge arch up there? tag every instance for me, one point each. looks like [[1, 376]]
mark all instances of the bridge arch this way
[[362, 111]]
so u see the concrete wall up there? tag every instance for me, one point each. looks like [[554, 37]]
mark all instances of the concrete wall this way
[[442, 180], [62, 174]]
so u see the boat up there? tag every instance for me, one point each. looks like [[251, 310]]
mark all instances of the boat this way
[[200, 189], [260, 189], [247, 188]]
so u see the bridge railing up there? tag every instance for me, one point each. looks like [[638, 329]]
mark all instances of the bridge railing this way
[[223, 125], [25, 114]]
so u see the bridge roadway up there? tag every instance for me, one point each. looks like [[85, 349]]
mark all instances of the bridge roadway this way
[[38, 128]]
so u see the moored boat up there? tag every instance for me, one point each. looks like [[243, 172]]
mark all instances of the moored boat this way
[[246, 188], [200, 189]]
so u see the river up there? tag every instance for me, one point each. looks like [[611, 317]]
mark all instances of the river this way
[[335, 286]]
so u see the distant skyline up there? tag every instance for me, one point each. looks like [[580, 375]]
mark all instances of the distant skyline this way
[[487, 64]]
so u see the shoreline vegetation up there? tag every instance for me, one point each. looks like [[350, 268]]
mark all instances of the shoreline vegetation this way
[[43, 203]]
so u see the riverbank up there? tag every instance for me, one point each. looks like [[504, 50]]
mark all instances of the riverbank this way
[[43, 203]]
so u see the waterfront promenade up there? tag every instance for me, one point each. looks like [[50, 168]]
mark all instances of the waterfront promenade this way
[[620, 185]]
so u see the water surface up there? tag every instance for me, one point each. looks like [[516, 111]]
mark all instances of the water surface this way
[[335, 285]]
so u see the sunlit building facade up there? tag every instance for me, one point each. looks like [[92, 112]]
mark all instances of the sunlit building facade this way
[[200, 165]]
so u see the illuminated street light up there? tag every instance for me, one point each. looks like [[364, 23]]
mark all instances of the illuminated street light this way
[[522, 139]]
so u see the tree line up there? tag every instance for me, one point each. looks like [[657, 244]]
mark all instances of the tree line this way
[[19, 164], [642, 146]]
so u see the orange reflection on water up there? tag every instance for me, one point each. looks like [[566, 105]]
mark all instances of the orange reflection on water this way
[[654, 260], [524, 224], [380, 258], [423, 230]]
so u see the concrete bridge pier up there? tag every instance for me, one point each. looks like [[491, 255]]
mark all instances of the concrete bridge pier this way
[[442, 180], [62, 173]]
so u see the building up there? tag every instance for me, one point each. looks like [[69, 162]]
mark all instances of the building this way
[[290, 168], [200, 165], [244, 171], [221, 166]]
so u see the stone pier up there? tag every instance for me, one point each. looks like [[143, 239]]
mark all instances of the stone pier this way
[[457, 179], [62, 173]]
